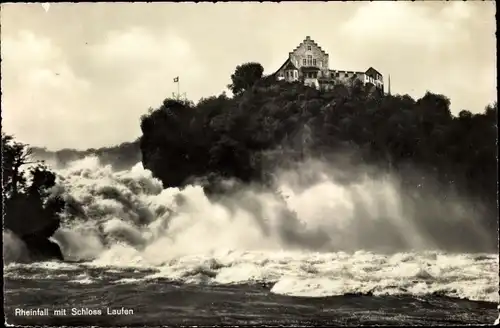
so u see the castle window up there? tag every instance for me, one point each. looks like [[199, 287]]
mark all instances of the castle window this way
[[304, 62], [312, 75], [309, 60], [314, 62], [309, 48]]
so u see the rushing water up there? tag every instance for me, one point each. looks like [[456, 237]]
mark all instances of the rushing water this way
[[354, 253]]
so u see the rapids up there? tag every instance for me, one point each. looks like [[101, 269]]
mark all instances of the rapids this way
[[316, 234]]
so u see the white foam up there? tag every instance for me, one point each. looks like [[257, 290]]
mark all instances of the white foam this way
[[331, 246], [330, 274], [127, 281], [84, 281]]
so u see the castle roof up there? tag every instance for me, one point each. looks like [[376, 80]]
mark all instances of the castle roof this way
[[372, 71], [287, 65], [308, 38], [290, 65]]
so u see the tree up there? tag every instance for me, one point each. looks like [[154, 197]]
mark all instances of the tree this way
[[264, 126], [30, 211], [245, 76], [15, 155]]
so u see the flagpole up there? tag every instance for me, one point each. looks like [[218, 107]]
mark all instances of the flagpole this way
[[176, 80]]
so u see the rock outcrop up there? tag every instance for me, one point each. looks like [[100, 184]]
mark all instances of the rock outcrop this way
[[33, 224], [43, 249]]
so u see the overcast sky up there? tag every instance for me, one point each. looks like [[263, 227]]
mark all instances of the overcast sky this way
[[80, 75]]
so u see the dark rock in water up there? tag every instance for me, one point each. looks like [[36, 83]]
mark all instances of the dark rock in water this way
[[25, 216], [42, 249], [32, 222]]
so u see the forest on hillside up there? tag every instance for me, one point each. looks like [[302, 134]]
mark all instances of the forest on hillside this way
[[269, 124], [265, 120]]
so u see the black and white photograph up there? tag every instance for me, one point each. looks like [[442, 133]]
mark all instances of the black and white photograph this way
[[250, 163]]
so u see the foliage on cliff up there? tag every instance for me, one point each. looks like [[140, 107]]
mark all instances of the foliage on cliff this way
[[272, 122], [245, 76], [30, 211]]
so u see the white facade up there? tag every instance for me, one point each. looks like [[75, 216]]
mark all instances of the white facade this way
[[310, 64]]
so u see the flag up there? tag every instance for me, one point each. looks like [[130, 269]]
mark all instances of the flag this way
[[176, 79]]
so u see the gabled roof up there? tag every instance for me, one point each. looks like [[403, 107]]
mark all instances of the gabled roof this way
[[308, 38], [290, 65], [372, 70], [286, 65]]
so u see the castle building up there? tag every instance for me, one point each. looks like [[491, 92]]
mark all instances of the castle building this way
[[309, 64]]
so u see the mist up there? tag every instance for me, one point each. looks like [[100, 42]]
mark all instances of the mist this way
[[121, 157], [313, 224], [314, 207]]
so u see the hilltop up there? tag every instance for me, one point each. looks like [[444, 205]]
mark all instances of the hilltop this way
[[270, 124]]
